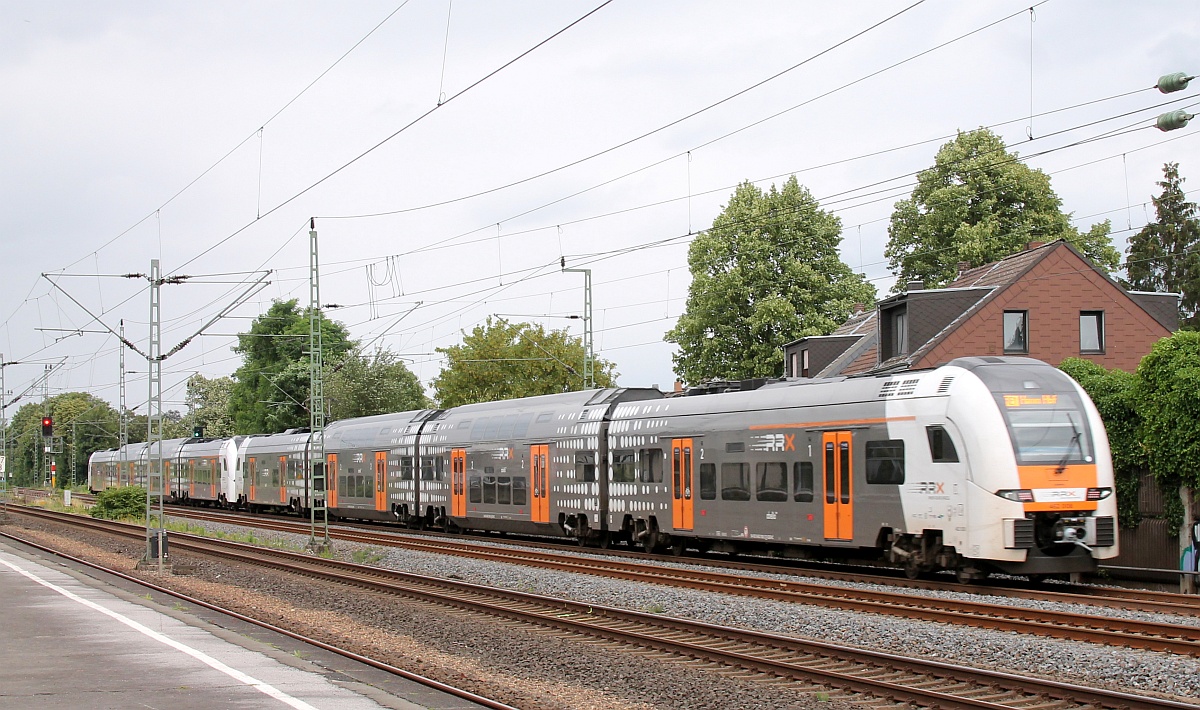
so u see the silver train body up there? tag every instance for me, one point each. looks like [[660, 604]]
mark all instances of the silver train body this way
[[984, 464]]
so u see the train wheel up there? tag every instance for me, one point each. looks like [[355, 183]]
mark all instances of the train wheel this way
[[912, 570], [677, 547], [650, 542], [604, 542]]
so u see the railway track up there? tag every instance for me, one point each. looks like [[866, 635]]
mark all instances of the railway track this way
[[850, 671], [1167, 637], [1102, 596]]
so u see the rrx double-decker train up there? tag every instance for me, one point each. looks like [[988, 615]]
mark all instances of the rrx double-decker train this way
[[984, 464]]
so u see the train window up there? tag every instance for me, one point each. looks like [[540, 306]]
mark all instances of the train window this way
[[545, 417], [489, 469], [491, 427], [406, 468], [506, 426], [474, 489], [427, 468], [585, 466], [504, 490], [735, 447], [464, 424], [650, 465], [830, 471], [489, 489], [521, 427], [772, 481], [708, 481], [802, 481], [735, 481], [519, 490], [885, 461], [439, 468], [623, 467], [941, 446]]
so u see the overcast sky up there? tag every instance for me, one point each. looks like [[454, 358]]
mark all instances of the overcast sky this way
[[130, 131]]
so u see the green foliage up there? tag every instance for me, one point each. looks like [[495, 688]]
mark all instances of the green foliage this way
[[500, 360], [1115, 394], [362, 386], [118, 503], [1169, 392], [1165, 255], [270, 391], [81, 420], [766, 273], [978, 204], [209, 403]]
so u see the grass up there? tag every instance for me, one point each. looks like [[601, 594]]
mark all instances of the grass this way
[[368, 556], [655, 609]]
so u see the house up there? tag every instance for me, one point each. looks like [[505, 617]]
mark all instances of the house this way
[[1047, 302]]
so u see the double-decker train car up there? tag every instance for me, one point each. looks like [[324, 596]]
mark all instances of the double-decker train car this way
[[984, 464], [272, 472], [207, 472]]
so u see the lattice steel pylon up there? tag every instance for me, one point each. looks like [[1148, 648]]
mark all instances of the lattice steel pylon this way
[[318, 508], [589, 358], [154, 414]]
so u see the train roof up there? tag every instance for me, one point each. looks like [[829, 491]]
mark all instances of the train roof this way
[[539, 417], [375, 431]]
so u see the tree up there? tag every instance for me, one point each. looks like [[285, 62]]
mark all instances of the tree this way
[[362, 386], [1169, 392], [1165, 255], [979, 204], [1114, 393], [501, 360], [209, 403], [83, 424], [271, 388], [766, 273]]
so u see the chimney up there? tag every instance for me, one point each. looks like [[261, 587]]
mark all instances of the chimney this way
[[678, 385], [1035, 245], [963, 267], [859, 308], [915, 286]]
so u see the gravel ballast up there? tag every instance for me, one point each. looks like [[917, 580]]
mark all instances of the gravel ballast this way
[[544, 669]]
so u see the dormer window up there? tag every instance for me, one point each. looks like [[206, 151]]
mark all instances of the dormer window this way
[[900, 332]]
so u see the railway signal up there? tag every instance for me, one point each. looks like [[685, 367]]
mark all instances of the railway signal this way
[[47, 427]]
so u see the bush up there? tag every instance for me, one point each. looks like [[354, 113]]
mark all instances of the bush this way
[[118, 503]]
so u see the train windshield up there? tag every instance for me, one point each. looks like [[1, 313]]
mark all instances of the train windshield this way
[[1045, 415]]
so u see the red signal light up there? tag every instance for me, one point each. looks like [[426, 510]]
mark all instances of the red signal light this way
[[47, 426]]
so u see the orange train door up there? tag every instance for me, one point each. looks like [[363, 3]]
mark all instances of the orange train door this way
[[539, 460], [282, 479], [838, 473], [380, 480], [458, 483], [191, 478], [252, 479], [681, 483], [331, 477]]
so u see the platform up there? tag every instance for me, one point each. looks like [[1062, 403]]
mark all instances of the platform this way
[[71, 640]]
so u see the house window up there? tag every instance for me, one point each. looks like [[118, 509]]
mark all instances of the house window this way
[[804, 363], [1016, 331], [900, 333], [1091, 332]]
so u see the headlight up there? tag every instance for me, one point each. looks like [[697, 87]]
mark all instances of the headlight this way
[[1098, 493], [1022, 495]]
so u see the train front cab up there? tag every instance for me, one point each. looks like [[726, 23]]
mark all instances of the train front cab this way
[[1041, 495]]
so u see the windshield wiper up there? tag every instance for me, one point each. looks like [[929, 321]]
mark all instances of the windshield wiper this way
[[1075, 439]]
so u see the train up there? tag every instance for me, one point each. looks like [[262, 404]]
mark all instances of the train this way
[[981, 465]]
